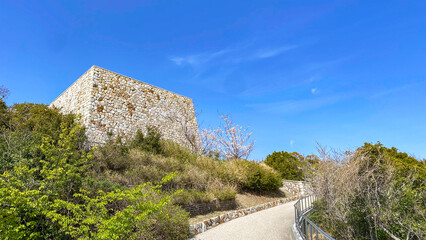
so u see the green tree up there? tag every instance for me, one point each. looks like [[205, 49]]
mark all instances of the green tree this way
[[23, 127], [289, 165], [29, 189]]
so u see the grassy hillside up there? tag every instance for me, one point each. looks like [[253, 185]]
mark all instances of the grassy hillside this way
[[51, 187]]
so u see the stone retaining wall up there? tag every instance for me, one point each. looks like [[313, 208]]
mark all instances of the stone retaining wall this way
[[296, 188], [112, 103], [207, 207]]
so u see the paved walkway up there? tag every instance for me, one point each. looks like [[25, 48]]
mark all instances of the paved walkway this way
[[270, 224]]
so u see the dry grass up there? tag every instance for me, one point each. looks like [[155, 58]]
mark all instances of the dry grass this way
[[248, 199]]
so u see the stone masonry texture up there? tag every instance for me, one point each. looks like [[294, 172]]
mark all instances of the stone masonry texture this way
[[116, 105]]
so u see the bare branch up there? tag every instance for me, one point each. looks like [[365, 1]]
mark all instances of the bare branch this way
[[4, 92]]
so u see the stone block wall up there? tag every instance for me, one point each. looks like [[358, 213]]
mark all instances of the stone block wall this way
[[208, 207], [112, 103], [77, 98], [296, 188]]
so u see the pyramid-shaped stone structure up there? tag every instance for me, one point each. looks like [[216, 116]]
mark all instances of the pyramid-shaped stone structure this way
[[112, 105]]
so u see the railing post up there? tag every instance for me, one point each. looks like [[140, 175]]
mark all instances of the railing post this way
[[317, 234], [306, 229], [306, 206], [295, 215]]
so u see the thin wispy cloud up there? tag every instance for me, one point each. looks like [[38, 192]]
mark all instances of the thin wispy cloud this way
[[230, 55], [314, 91], [177, 60], [272, 52], [188, 60], [394, 90], [299, 106], [199, 58]]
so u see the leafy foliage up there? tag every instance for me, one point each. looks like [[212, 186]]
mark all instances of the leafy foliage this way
[[251, 175], [289, 165], [260, 178], [47, 191], [150, 142], [23, 127], [92, 218]]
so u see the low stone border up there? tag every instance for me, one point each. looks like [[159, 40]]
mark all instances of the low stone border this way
[[208, 207], [213, 222]]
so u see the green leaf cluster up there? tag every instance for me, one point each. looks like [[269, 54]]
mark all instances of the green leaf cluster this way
[[291, 166]]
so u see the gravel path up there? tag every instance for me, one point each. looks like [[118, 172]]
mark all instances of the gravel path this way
[[270, 224]]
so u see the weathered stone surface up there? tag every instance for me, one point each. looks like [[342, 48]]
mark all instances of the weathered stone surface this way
[[207, 207], [112, 103], [296, 187]]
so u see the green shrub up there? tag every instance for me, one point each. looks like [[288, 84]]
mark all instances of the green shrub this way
[[227, 192], [173, 149], [114, 155], [4, 114], [188, 196], [260, 178], [93, 185], [23, 127], [27, 193], [289, 165], [145, 213], [150, 143], [252, 175], [169, 223]]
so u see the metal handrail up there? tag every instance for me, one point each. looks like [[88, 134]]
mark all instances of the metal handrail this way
[[307, 229]]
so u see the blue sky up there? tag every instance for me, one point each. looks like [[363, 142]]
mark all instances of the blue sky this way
[[339, 73]]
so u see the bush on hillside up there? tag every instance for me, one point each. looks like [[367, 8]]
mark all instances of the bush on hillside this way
[[149, 142], [175, 150], [250, 175], [144, 213], [263, 179], [190, 196], [23, 127], [289, 165], [114, 155]]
